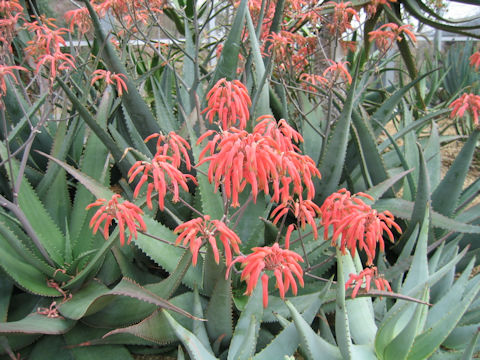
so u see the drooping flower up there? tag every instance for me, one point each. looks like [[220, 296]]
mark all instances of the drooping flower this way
[[357, 222], [475, 60], [79, 18], [57, 61], [367, 275], [197, 231], [336, 70], [281, 132], [5, 71], [125, 213], [283, 262], [229, 100], [237, 158], [110, 78], [386, 34], [164, 173], [348, 45], [48, 37], [466, 102], [173, 145], [10, 13], [305, 211], [343, 12], [374, 4], [46, 47], [311, 82], [267, 157]]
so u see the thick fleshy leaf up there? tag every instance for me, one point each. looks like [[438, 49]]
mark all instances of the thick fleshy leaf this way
[[287, 341], [25, 274], [246, 331], [312, 344], [342, 327], [198, 328], [227, 64], [193, 345], [260, 102], [331, 163], [447, 193], [82, 334], [47, 231], [136, 106], [427, 342], [37, 324], [219, 311], [400, 346], [361, 318], [403, 209], [126, 287]]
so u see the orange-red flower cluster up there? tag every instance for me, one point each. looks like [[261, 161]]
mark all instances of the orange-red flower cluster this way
[[357, 223], [283, 262], [266, 156], [130, 12], [305, 211], [386, 34], [196, 231], [368, 275], [475, 60], [337, 70], [229, 100], [290, 50], [111, 78], [343, 13], [80, 18], [45, 48], [312, 82], [10, 12], [163, 170], [125, 213], [374, 4], [5, 71], [466, 102]]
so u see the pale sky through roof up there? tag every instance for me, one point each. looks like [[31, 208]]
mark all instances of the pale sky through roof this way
[[458, 10]]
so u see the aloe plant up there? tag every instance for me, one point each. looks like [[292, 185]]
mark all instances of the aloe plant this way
[[69, 293]]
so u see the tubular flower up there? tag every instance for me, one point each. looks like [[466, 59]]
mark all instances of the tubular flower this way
[[283, 262], [111, 78], [343, 13], [470, 102], [368, 275], [266, 156], [196, 231], [48, 37], [357, 222], [125, 213], [282, 133], [311, 82], [475, 60], [173, 145], [130, 13], [305, 211], [164, 173], [229, 100], [374, 4], [46, 46], [386, 34], [338, 69], [241, 158], [10, 12], [79, 18], [4, 71], [348, 45]]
